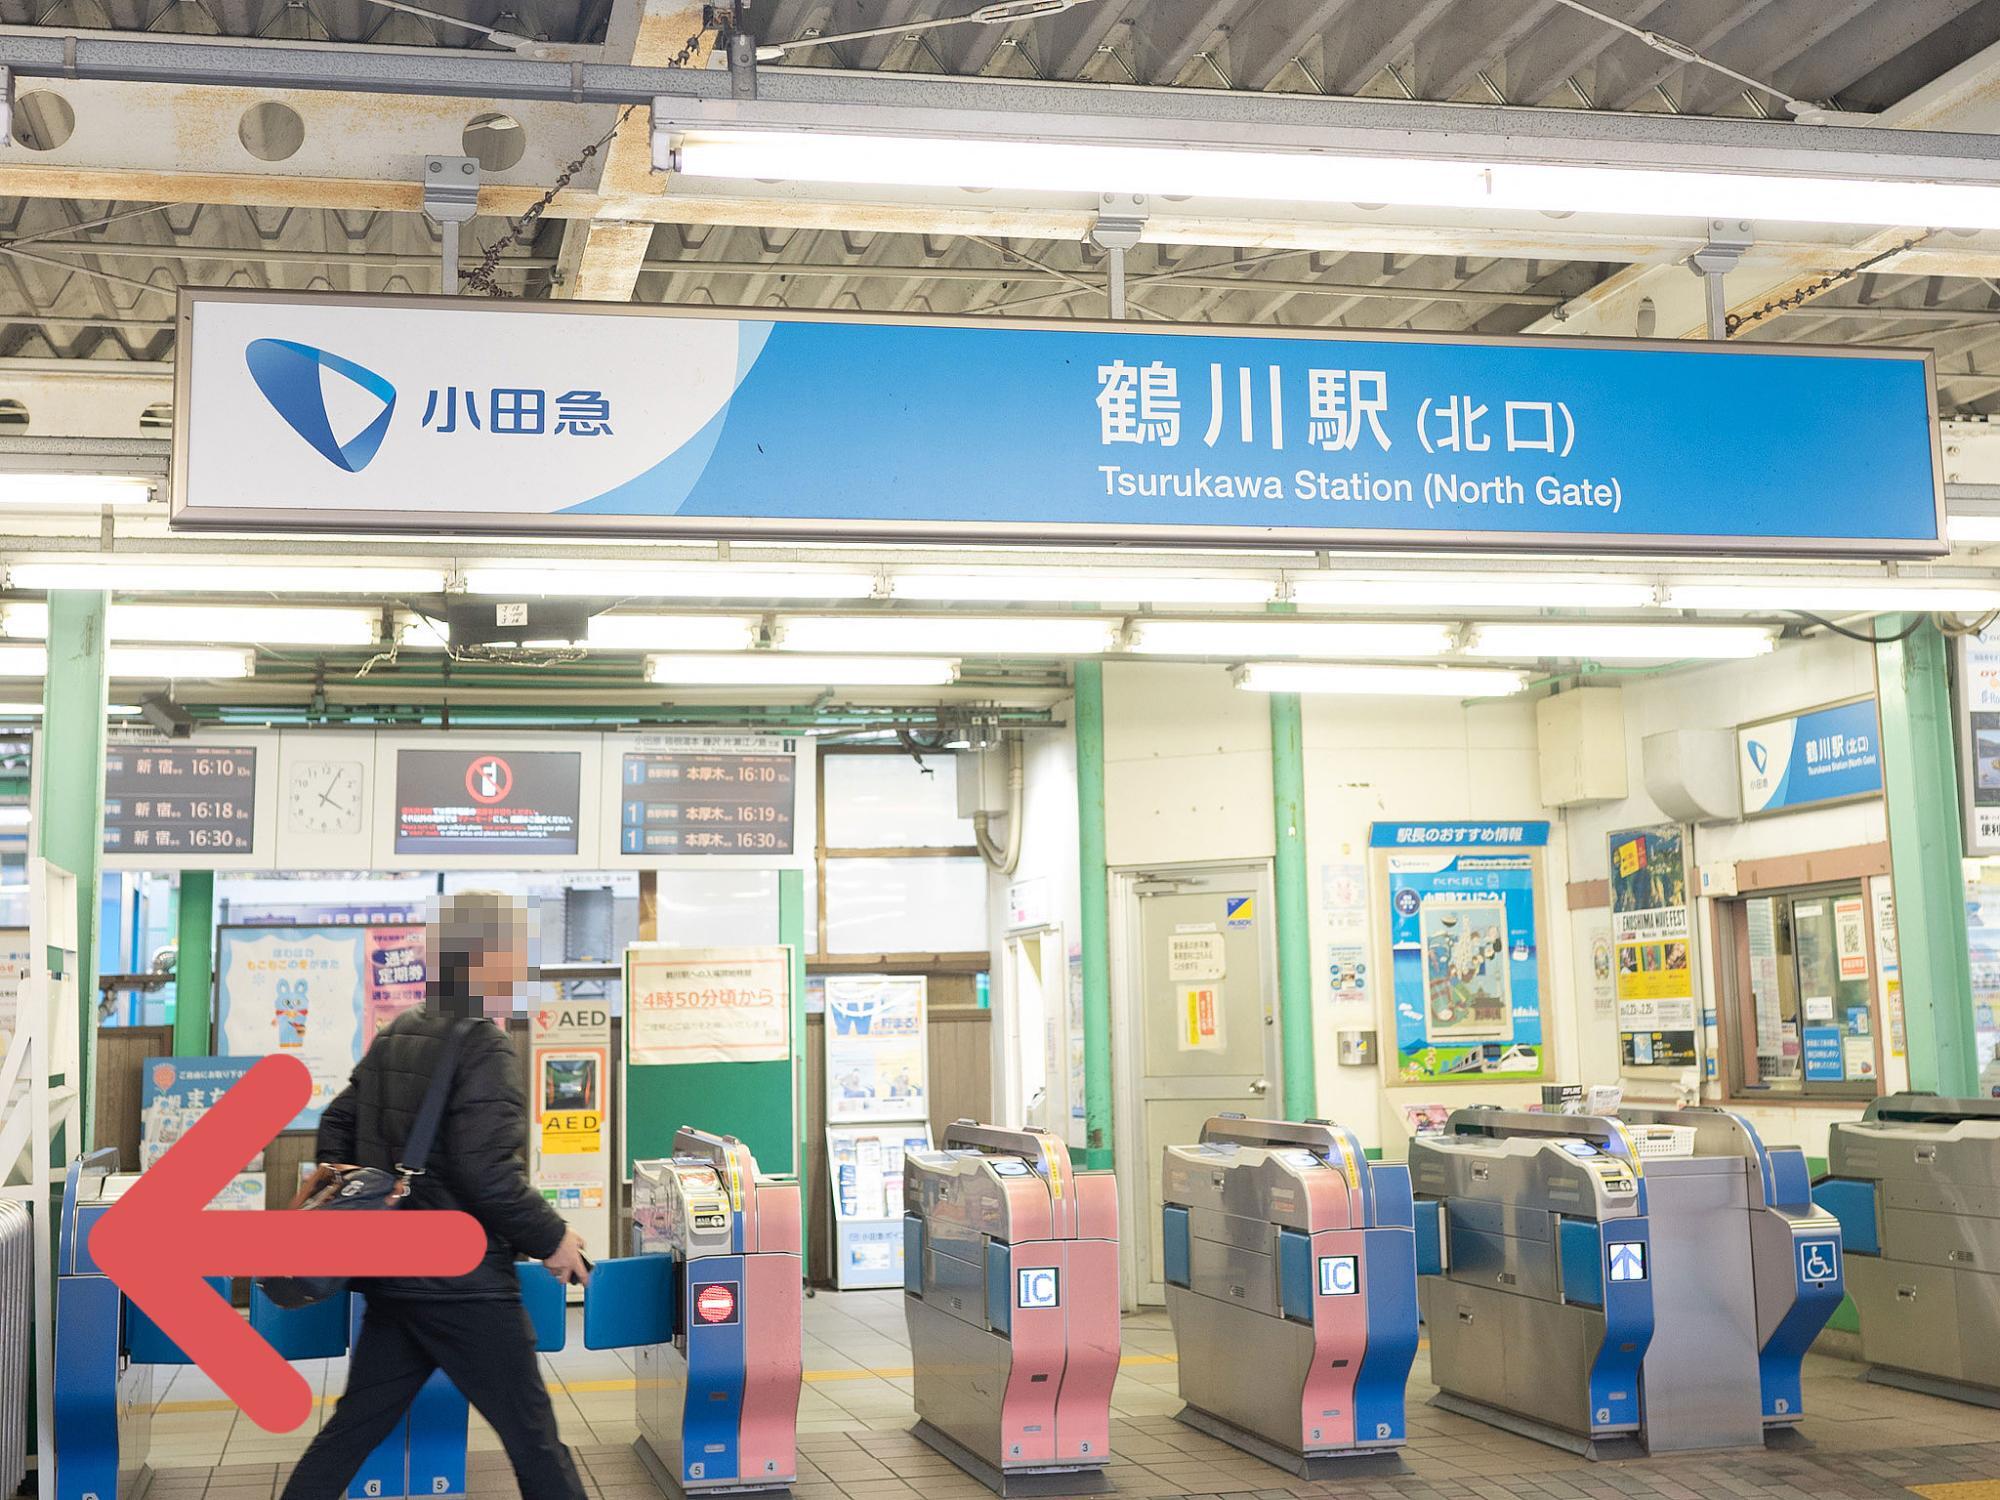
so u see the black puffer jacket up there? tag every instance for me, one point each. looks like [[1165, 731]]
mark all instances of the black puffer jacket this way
[[476, 1162]]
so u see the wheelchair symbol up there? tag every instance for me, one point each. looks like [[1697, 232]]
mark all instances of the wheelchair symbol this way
[[1819, 1260]]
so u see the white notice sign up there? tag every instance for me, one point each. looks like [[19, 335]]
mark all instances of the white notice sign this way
[[1196, 957], [700, 1005]]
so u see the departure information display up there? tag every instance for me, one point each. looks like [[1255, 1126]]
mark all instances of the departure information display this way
[[179, 799], [707, 802], [488, 801]]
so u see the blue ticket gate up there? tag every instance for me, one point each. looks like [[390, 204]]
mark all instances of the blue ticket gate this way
[[105, 1351]]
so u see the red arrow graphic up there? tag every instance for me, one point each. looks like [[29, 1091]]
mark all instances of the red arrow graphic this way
[[160, 1239]]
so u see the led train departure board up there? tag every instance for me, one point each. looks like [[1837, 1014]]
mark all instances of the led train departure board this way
[[707, 802], [179, 799]]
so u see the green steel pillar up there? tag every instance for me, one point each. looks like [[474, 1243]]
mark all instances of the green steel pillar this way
[[194, 963], [70, 820], [1094, 886], [1295, 1011], [1926, 850], [792, 933]]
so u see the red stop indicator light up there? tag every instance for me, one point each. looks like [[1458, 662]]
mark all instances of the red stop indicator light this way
[[716, 1303]]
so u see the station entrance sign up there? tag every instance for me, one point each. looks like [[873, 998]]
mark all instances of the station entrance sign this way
[[296, 409]]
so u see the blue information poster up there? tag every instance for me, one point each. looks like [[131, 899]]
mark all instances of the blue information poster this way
[[1467, 977], [1824, 1060], [1831, 754]]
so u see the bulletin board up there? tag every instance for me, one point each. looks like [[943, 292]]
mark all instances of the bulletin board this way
[[754, 1100]]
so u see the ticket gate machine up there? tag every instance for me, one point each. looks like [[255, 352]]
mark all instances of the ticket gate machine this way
[[1586, 1296], [106, 1349], [1291, 1279], [1010, 1266], [1915, 1183], [711, 1300]]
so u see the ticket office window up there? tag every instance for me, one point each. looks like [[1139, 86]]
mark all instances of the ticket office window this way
[[1801, 1012]]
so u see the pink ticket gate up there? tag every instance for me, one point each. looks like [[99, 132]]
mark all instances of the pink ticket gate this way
[[710, 1300], [1011, 1289]]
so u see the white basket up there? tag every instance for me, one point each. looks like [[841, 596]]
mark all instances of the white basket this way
[[1663, 1140]]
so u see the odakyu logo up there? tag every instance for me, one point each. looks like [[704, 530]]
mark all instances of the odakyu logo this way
[[342, 409], [1759, 756]]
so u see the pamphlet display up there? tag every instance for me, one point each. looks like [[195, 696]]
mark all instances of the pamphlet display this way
[[570, 1149], [877, 1105], [1464, 904], [1979, 738], [176, 1092], [317, 993], [1652, 944]]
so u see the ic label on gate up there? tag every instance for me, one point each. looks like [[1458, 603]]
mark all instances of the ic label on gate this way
[[1037, 1287], [1628, 1260], [1819, 1260], [1338, 1276], [717, 1303]]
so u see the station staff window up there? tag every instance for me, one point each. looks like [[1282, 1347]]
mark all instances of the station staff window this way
[[1801, 1018]]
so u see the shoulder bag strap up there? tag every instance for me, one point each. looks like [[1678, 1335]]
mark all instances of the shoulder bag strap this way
[[423, 1133]]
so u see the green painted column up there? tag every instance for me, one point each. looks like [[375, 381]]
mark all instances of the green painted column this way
[[1295, 1009], [1926, 850], [194, 963], [792, 933], [70, 820], [1094, 940]]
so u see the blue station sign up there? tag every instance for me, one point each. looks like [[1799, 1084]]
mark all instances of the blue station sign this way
[[1831, 754], [446, 413]]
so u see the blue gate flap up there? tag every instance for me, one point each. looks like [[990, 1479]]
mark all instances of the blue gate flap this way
[[547, 1302], [631, 1303], [1853, 1203], [147, 1344], [1427, 1216], [1174, 1240], [316, 1332]]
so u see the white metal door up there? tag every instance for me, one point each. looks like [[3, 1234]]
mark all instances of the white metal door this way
[[1198, 1032]]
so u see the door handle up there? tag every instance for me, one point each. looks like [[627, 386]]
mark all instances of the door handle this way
[[1260, 1086]]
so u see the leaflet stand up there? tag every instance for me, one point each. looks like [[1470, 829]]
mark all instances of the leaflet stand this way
[[877, 1107]]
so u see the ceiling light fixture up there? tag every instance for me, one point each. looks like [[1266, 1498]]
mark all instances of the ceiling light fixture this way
[[781, 669], [1590, 640], [720, 582], [1290, 637], [73, 491], [1833, 597], [672, 632], [125, 662], [1076, 586], [250, 575], [957, 635], [1379, 681], [1471, 591]]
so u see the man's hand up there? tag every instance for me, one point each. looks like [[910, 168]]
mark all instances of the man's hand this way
[[568, 1263]]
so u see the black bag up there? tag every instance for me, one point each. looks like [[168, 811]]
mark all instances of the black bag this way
[[348, 1189]]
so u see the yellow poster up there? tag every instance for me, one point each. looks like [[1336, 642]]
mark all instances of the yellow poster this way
[[578, 1132], [1201, 1018]]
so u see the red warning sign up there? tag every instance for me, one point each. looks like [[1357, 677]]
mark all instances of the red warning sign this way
[[716, 1302]]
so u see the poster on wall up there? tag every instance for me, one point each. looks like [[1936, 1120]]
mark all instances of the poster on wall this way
[[707, 1005], [569, 1069], [1811, 759], [175, 1092], [317, 993], [876, 1054], [1653, 948], [1467, 970], [865, 1168], [13, 981], [1979, 738]]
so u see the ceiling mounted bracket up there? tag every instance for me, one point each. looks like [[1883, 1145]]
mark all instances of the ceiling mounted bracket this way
[[1121, 220], [451, 197], [1728, 239]]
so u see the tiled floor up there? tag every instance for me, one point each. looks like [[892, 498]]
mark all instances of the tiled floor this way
[[854, 1415]]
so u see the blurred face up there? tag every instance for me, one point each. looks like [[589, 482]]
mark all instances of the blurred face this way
[[499, 970]]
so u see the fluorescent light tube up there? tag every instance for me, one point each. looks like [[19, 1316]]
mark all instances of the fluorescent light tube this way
[[1974, 526], [721, 582], [250, 575], [1323, 176], [73, 491], [1379, 681], [1471, 591], [16, 816], [1073, 585], [956, 635], [1833, 597], [1290, 637], [1586, 640], [201, 624], [778, 669], [140, 661], [34, 710], [672, 632]]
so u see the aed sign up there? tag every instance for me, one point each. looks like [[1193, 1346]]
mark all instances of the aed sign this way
[[1339, 1276], [432, 413], [1037, 1287], [716, 1303], [1628, 1260]]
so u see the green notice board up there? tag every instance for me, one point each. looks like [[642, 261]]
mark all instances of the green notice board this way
[[755, 1101]]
